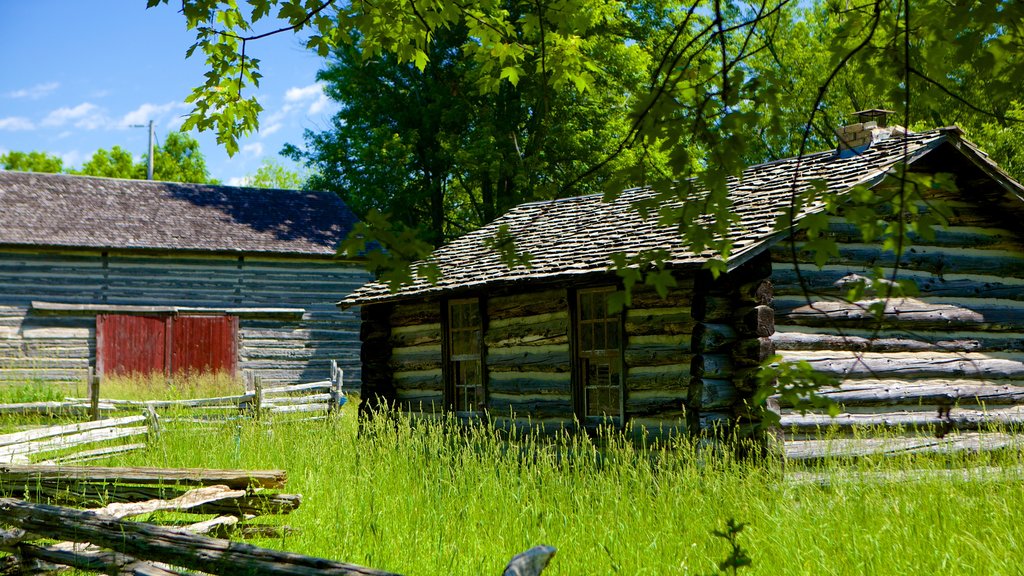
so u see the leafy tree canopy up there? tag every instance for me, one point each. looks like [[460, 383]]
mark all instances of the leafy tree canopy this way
[[273, 174], [178, 159], [31, 162]]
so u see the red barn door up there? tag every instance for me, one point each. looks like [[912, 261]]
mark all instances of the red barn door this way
[[127, 345], [204, 344], [142, 345]]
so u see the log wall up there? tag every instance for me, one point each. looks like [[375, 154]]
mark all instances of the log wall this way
[[658, 356], [46, 347], [946, 357], [528, 358]]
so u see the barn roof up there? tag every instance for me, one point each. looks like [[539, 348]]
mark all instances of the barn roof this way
[[574, 236], [60, 210]]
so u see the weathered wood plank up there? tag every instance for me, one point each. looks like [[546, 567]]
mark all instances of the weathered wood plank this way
[[50, 431], [897, 341], [826, 282], [912, 313], [534, 405], [541, 329], [174, 547], [416, 335], [912, 364], [419, 379], [881, 393], [665, 377], [926, 417], [527, 304], [20, 474], [548, 358], [658, 321], [529, 382]]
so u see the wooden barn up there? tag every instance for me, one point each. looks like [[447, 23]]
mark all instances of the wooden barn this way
[[131, 276], [537, 345]]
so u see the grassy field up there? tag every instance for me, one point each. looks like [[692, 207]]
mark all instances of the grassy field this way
[[427, 500], [430, 499]]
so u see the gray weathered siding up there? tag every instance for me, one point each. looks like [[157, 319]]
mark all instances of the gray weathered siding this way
[[959, 344], [61, 347]]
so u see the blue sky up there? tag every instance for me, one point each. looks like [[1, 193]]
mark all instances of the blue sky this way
[[77, 74]]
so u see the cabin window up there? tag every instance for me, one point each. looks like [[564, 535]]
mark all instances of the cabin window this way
[[465, 365], [599, 356]]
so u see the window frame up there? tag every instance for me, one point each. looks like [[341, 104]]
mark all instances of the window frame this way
[[451, 360], [580, 358]]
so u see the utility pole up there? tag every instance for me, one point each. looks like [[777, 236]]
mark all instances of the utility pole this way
[[149, 169]]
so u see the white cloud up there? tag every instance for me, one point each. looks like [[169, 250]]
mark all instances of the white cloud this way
[[36, 92], [320, 104], [84, 113], [305, 93], [256, 149], [73, 158], [238, 181], [13, 123], [148, 111], [174, 124], [271, 129]]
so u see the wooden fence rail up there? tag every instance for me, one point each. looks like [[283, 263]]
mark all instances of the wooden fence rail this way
[[141, 548]]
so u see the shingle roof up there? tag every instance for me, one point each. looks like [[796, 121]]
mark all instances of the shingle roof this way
[[575, 236], [82, 211]]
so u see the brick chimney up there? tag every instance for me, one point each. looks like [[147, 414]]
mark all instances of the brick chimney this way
[[872, 126]]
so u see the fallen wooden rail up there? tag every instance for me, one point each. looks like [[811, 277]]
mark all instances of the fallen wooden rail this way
[[14, 474], [146, 549], [17, 447], [148, 542]]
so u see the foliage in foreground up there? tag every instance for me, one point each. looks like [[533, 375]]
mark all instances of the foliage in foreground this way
[[434, 499]]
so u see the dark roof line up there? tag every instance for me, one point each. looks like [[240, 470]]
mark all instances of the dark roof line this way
[[66, 211]]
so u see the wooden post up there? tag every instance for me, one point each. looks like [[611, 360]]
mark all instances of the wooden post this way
[[336, 379], [257, 383], [94, 395]]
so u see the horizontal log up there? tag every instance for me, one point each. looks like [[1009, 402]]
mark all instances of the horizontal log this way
[[541, 329], [714, 308], [666, 377], [657, 352], [881, 393], [657, 404], [656, 321], [419, 379], [15, 475], [160, 544], [529, 382], [963, 442], [416, 335], [427, 357], [297, 408], [536, 406], [526, 304], [906, 365], [297, 400], [894, 340], [937, 260], [911, 313], [552, 358], [925, 418], [679, 296], [825, 282], [657, 429], [415, 313], [953, 236]]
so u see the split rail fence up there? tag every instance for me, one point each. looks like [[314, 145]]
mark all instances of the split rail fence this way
[[102, 539], [115, 426]]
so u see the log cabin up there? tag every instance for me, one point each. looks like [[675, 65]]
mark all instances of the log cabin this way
[[131, 276], [537, 345]]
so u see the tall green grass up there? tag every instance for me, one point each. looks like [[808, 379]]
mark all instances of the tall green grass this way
[[433, 498]]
